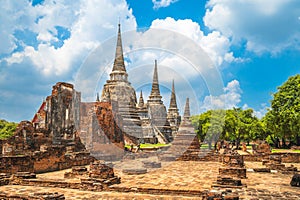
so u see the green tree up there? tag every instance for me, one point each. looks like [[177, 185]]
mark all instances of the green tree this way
[[283, 119], [241, 125], [7, 129], [209, 126], [231, 125]]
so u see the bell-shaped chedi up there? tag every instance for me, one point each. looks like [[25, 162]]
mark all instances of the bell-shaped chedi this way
[[186, 146], [119, 92], [173, 115], [157, 111]]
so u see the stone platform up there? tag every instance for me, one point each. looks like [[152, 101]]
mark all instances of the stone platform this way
[[174, 180]]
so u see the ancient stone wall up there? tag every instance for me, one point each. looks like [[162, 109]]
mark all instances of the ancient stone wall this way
[[56, 158], [21, 142], [62, 112], [286, 157], [13, 164]]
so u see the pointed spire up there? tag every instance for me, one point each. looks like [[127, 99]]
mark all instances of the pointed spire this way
[[155, 86], [119, 59], [98, 99], [173, 103], [141, 100], [187, 114]]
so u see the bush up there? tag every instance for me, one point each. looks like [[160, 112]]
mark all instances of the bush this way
[[7, 129]]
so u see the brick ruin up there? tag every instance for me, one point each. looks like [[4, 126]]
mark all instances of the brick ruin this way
[[100, 176], [67, 133], [274, 162], [100, 130], [232, 171], [35, 196], [186, 145], [51, 141]]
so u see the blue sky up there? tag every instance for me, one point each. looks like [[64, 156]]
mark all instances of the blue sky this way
[[252, 47]]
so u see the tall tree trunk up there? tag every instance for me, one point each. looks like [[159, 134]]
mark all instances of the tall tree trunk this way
[[284, 143], [237, 143], [209, 145], [297, 140], [275, 141]]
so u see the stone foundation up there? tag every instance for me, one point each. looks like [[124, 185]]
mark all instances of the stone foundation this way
[[220, 195], [4, 179], [76, 171], [274, 163], [227, 182], [101, 175], [233, 172], [34, 196], [285, 157], [101, 170]]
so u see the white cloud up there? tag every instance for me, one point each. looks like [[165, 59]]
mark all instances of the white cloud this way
[[214, 44], [266, 26], [86, 31], [162, 3], [31, 67], [229, 99], [12, 13], [260, 112]]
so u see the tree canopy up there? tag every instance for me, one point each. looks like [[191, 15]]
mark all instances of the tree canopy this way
[[7, 129], [234, 125], [280, 126], [283, 119]]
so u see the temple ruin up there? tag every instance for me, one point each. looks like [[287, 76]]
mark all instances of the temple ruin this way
[[142, 122], [74, 149]]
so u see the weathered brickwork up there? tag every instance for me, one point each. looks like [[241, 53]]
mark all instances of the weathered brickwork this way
[[50, 142], [185, 146], [100, 130], [285, 157]]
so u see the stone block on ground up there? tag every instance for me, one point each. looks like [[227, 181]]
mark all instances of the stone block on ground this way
[[220, 195], [47, 196], [76, 171], [295, 182], [151, 164], [267, 170], [101, 169], [228, 181], [133, 171], [4, 179], [167, 158], [25, 175], [233, 172]]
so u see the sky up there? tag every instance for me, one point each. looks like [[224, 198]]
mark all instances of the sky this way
[[220, 53]]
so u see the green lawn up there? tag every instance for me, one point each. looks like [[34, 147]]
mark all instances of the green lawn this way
[[147, 145], [285, 150], [204, 146]]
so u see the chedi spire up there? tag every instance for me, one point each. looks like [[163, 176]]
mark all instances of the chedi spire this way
[[173, 103], [187, 114], [119, 59], [141, 100], [155, 85]]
